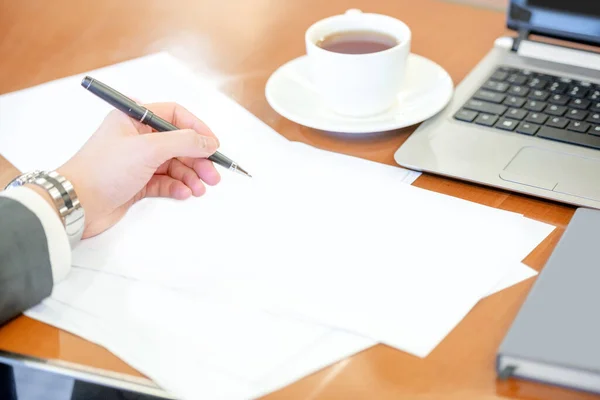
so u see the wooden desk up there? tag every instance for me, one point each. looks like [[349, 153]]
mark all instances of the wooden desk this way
[[240, 43]]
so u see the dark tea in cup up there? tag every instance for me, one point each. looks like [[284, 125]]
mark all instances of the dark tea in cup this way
[[357, 42]]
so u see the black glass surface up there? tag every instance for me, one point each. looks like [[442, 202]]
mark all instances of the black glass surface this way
[[585, 7], [576, 20], [10, 389]]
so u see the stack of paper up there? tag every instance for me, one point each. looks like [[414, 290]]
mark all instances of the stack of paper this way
[[263, 280]]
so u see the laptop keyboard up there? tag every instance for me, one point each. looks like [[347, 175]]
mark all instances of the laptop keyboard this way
[[535, 104]]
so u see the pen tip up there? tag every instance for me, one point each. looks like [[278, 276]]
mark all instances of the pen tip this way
[[241, 171]]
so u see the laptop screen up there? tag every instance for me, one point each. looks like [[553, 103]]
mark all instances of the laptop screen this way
[[576, 20], [584, 7]]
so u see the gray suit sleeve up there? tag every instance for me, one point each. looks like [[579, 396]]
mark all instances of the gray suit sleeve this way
[[25, 270]]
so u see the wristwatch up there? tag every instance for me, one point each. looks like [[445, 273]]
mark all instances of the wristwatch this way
[[65, 199]]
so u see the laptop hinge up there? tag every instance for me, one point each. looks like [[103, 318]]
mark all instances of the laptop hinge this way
[[523, 35], [559, 54]]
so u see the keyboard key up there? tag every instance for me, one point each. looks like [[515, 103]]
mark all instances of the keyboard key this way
[[585, 84], [537, 83], [577, 91], [565, 80], [507, 124], [534, 105], [494, 97], [594, 118], [465, 115], [539, 95], [559, 99], [579, 115], [514, 101], [595, 106], [578, 126], [558, 87], [516, 79], [496, 86], [595, 130], [569, 137], [499, 76], [582, 104], [553, 109], [528, 128], [515, 113], [486, 119], [485, 107], [518, 91], [558, 122], [595, 95], [506, 69], [545, 77], [527, 73], [537, 118]]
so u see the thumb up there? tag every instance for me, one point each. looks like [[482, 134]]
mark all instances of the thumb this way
[[163, 146]]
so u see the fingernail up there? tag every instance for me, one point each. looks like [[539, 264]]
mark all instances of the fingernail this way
[[210, 143]]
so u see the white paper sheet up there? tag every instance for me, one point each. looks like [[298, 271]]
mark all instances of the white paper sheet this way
[[247, 353], [517, 272], [243, 341], [460, 279]]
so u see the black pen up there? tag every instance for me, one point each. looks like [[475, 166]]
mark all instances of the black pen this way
[[147, 117]]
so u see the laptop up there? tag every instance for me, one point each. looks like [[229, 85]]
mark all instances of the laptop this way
[[527, 117]]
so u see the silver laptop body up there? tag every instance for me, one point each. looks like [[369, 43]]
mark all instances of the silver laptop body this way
[[525, 163]]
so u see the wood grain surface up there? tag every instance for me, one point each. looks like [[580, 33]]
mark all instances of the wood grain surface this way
[[239, 43]]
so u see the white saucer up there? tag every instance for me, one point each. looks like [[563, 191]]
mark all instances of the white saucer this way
[[427, 89]]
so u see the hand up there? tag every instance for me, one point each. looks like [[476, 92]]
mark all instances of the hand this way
[[125, 161]]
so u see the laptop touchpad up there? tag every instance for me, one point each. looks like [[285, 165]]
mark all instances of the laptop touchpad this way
[[556, 171]]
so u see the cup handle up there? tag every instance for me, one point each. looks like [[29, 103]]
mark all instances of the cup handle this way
[[353, 11]]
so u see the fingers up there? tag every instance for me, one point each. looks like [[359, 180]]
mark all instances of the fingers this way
[[162, 146], [191, 151], [166, 186], [205, 169], [178, 170], [180, 117]]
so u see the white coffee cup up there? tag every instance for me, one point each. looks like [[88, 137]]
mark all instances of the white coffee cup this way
[[358, 85]]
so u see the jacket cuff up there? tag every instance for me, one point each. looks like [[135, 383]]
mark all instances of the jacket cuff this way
[[59, 248]]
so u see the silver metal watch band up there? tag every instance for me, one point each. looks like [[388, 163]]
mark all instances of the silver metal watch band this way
[[74, 217], [64, 197], [67, 203]]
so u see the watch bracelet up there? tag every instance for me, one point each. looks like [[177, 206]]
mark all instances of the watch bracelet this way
[[66, 202], [55, 192], [72, 202]]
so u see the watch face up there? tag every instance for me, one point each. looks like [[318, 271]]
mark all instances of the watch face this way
[[15, 183], [22, 179]]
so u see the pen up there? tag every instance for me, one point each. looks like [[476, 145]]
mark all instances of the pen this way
[[147, 117]]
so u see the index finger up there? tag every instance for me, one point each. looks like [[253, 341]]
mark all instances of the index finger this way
[[180, 117]]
